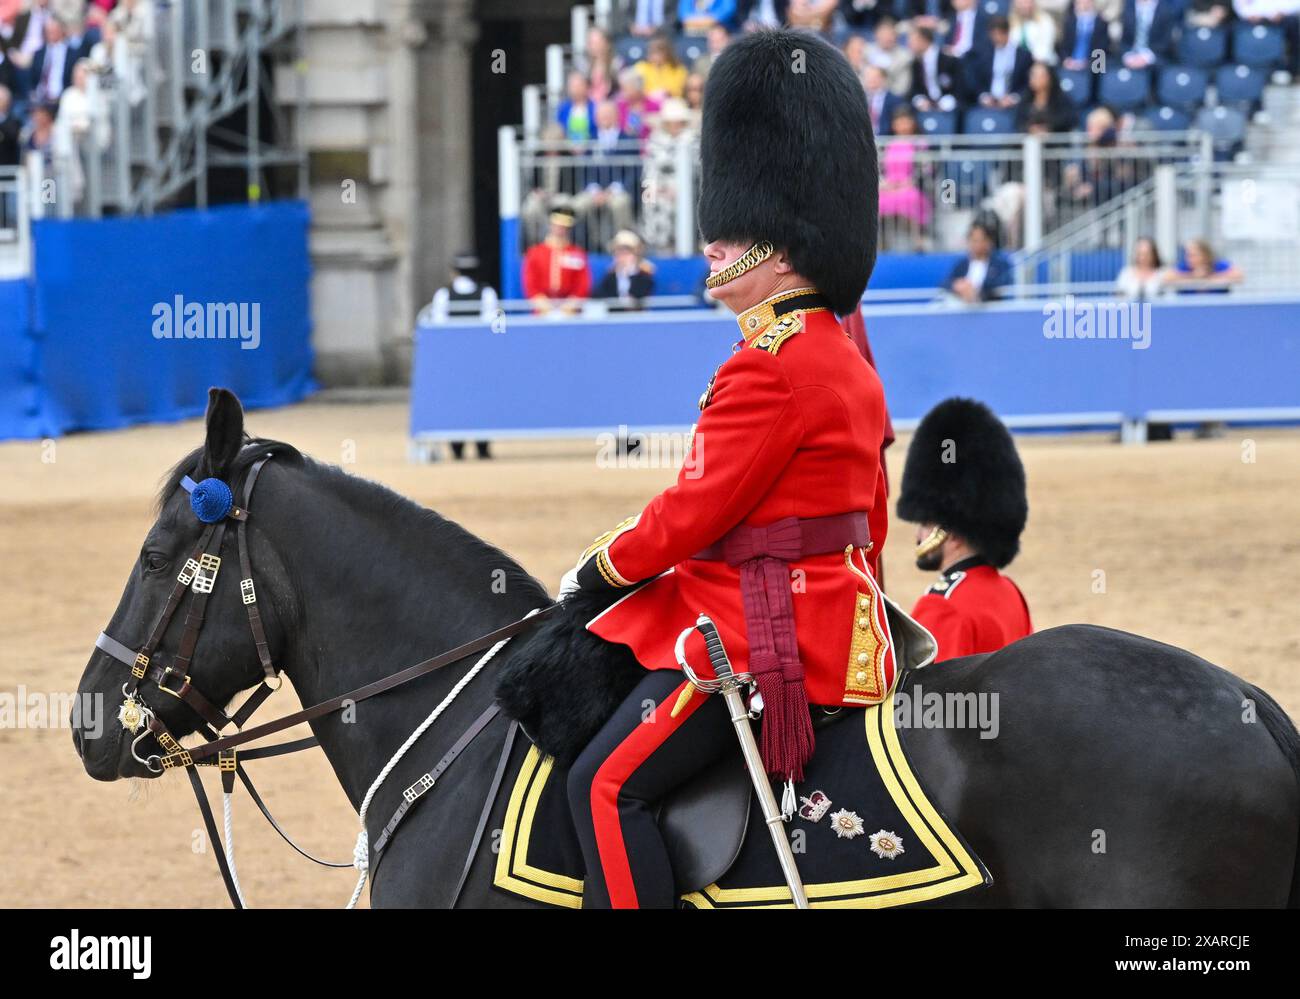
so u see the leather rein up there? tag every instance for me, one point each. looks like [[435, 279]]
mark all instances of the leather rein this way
[[198, 576]]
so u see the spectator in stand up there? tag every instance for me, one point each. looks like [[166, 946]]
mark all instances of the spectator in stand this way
[[1143, 279], [634, 108], [84, 31], [557, 276], [134, 21], [1083, 36], [754, 14], [1148, 35], [999, 71], [966, 31], [661, 71], [605, 203], [630, 279], [932, 14], [1200, 272], [882, 102], [855, 51], [651, 16], [715, 41], [10, 129], [8, 72], [52, 65], [983, 272], [938, 81], [695, 94], [598, 64], [13, 27], [108, 57], [38, 138], [82, 110], [577, 113], [1034, 30], [885, 52], [698, 16], [1208, 13], [812, 15], [900, 192], [862, 15], [673, 129], [25, 36], [1283, 13], [1044, 108], [1097, 177], [552, 185]]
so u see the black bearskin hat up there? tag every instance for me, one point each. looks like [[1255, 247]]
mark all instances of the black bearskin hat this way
[[787, 155], [973, 486]]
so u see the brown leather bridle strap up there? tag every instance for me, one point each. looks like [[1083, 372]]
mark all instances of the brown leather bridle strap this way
[[247, 590], [491, 798], [425, 783], [169, 609], [480, 644]]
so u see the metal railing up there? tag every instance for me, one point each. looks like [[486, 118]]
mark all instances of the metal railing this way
[[162, 107], [1248, 213], [15, 227], [932, 187]]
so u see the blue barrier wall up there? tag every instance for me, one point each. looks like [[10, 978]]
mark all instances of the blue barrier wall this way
[[104, 291], [20, 400], [1240, 359]]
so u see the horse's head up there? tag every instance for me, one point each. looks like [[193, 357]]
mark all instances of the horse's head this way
[[173, 655]]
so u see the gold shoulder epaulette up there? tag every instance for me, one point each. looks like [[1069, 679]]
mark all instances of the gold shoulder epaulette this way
[[778, 333]]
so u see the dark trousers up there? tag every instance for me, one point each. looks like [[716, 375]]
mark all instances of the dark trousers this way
[[651, 744]]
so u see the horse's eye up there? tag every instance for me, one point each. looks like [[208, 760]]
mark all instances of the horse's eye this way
[[155, 562]]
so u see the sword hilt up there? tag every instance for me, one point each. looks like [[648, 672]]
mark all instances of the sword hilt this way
[[718, 657]]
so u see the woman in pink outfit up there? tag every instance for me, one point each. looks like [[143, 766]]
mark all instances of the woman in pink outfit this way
[[901, 196]]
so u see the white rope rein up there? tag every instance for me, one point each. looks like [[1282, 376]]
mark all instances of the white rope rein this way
[[229, 846], [361, 852]]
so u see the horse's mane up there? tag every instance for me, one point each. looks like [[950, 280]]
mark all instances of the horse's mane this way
[[441, 532]]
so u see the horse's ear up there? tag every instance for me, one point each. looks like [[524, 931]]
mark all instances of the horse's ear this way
[[225, 431]]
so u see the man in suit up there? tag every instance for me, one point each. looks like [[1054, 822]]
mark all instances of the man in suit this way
[[881, 101], [52, 65], [984, 271], [966, 32], [1149, 30], [999, 71], [937, 79], [1084, 35]]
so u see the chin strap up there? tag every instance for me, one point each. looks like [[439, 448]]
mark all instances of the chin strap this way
[[747, 261], [932, 542]]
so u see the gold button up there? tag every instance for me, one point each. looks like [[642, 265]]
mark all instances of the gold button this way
[[864, 603], [862, 657], [862, 622], [862, 677]]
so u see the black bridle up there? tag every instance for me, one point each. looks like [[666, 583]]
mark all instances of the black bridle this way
[[198, 576]]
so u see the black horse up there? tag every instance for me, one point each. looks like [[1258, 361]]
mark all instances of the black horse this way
[[1125, 773]]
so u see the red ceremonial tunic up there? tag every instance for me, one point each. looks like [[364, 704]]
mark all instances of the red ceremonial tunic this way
[[556, 271], [973, 608], [791, 426]]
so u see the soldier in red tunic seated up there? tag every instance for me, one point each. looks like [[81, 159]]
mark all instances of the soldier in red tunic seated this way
[[776, 521], [964, 487]]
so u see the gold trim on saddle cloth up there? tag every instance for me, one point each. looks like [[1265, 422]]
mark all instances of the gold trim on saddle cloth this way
[[953, 868]]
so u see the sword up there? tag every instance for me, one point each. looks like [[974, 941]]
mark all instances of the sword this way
[[730, 684]]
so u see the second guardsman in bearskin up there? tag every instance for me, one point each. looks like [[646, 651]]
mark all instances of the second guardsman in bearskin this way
[[774, 527], [964, 486]]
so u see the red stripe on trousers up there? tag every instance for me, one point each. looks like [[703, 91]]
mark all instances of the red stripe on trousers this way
[[629, 754]]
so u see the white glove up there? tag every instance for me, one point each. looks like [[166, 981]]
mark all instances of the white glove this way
[[568, 583]]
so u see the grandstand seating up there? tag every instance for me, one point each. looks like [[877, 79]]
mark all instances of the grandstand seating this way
[[988, 121], [1241, 87], [1203, 47], [1076, 84], [1125, 89], [1182, 87], [1259, 45], [937, 122], [1167, 119], [1226, 125]]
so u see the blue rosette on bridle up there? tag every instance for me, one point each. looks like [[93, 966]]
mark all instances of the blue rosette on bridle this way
[[211, 500]]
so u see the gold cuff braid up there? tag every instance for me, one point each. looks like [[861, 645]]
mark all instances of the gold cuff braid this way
[[748, 260]]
